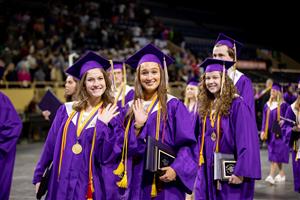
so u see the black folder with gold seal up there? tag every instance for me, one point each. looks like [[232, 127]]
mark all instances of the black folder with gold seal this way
[[276, 129], [158, 155], [223, 166]]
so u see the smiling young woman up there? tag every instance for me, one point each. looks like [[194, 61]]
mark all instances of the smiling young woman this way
[[82, 137], [154, 113], [226, 126]]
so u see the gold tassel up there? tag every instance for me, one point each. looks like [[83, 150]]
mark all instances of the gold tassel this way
[[201, 161], [153, 188], [123, 182], [120, 169]]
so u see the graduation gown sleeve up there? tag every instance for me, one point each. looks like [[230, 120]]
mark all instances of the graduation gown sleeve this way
[[48, 150], [247, 145]]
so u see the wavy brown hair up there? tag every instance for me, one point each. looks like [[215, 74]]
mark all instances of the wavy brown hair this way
[[223, 103], [82, 94], [161, 91]]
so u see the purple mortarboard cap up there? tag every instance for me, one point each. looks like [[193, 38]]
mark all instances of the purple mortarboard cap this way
[[276, 86], [117, 65], [225, 40], [88, 61], [149, 53], [193, 81], [299, 81], [211, 65]]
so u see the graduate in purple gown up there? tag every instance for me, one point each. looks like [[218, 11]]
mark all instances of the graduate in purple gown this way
[[10, 130], [191, 98], [83, 135], [292, 130], [71, 85], [123, 93], [225, 126], [157, 114], [278, 149], [226, 48], [289, 96]]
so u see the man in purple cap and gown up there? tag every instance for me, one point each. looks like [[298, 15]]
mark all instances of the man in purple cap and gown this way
[[226, 48], [83, 136], [278, 149], [10, 130], [289, 96], [292, 131], [123, 93], [163, 117], [225, 126]]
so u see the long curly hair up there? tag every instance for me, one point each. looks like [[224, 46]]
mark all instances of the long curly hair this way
[[139, 92], [82, 94], [223, 103]]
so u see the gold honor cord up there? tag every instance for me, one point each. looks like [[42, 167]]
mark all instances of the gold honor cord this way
[[91, 188], [77, 148], [267, 124], [63, 142], [121, 170], [64, 137], [201, 158], [295, 142]]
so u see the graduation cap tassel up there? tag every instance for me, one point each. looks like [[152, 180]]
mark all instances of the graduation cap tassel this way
[[166, 73], [113, 74], [223, 79], [153, 188], [124, 85]]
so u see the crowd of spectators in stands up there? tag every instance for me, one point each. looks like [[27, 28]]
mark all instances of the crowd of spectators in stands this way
[[37, 42]]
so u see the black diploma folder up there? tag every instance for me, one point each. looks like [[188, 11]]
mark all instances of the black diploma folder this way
[[44, 182], [223, 166], [276, 129], [158, 155]]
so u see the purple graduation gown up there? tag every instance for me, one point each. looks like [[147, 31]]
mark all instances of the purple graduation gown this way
[[289, 98], [245, 88], [178, 134], [278, 148], [236, 138], [291, 114], [73, 181], [129, 95], [10, 130]]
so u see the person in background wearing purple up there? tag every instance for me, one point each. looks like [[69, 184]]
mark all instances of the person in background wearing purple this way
[[225, 126], [10, 130], [71, 86], [292, 130], [228, 49], [289, 96], [123, 93], [278, 149]]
